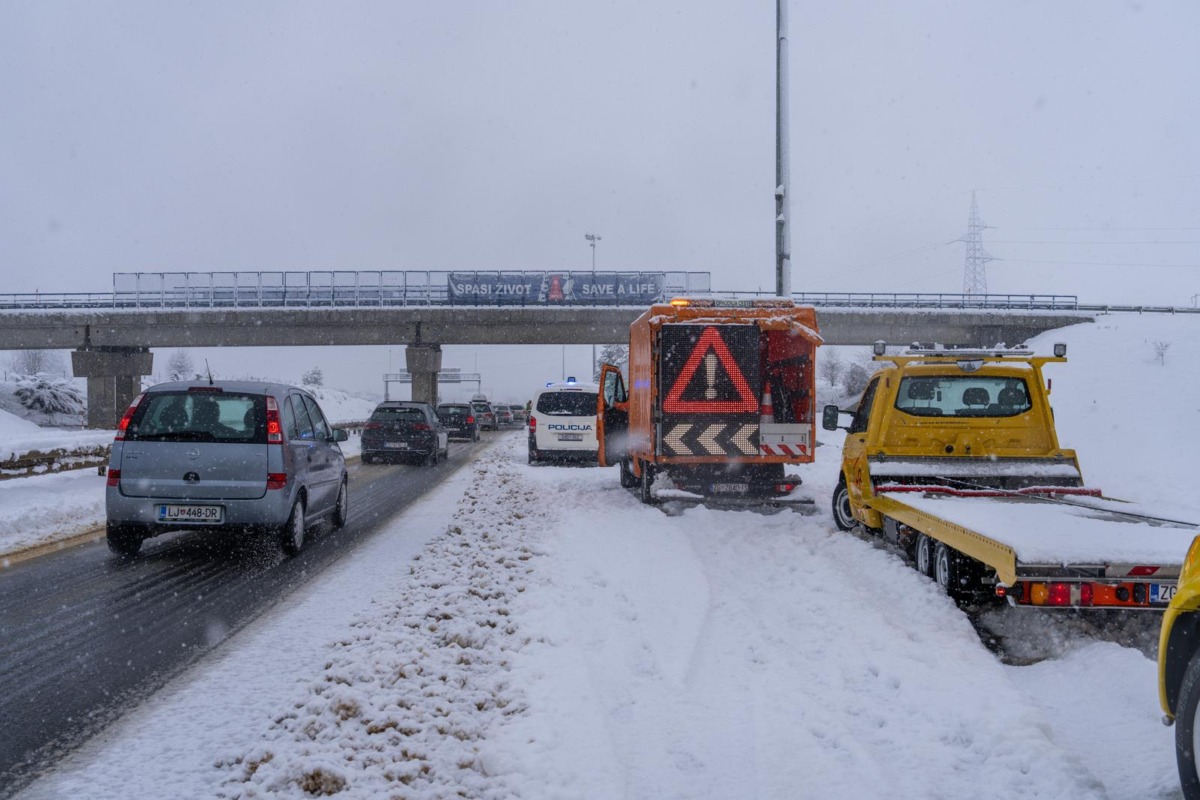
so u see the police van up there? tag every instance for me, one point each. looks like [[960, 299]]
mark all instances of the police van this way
[[562, 423]]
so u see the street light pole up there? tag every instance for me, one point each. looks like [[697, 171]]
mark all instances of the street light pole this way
[[592, 239], [783, 233]]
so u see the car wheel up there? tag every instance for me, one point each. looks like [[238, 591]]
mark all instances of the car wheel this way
[[292, 534], [367, 458], [432, 459], [646, 487], [341, 508], [924, 555], [628, 479], [842, 515], [123, 541], [1187, 733]]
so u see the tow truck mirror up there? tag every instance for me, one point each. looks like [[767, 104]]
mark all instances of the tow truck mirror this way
[[829, 418]]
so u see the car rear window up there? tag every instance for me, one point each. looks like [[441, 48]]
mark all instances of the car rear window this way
[[482, 409], [207, 416], [398, 415], [454, 411], [567, 404]]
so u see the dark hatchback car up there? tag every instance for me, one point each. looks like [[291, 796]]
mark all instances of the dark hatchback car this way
[[405, 431], [460, 421]]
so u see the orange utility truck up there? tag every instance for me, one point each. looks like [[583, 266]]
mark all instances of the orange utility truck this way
[[720, 400]]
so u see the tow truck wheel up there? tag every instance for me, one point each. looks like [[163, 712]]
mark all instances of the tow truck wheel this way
[[628, 479], [924, 555], [948, 571], [645, 491], [842, 516], [1187, 733]]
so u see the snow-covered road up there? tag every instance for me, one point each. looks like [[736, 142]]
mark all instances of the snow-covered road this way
[[556, 639]]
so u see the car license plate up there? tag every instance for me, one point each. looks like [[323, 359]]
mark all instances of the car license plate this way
[[172, 513], [396, 445], [570, 437], [1162, 593], [730, 488]]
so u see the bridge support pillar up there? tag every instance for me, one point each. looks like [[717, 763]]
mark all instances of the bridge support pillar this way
[[114, 378], [424, 362]]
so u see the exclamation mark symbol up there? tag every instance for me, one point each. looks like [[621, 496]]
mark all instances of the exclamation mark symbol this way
[[710, 370]]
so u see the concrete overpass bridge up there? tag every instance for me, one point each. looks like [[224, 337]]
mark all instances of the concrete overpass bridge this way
[[111, 335]]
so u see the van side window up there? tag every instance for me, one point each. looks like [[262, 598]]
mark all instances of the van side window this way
[[859, 425], [304, 426], [320, 426]]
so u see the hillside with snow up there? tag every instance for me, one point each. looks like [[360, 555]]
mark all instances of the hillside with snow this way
[[535, 632]]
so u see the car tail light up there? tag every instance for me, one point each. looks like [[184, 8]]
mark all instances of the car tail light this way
[[205, 390], [372, 426], [274, 427], [123, 425], [114, 477], [533, 424], [276, 480], [470, 420], [420, 426]]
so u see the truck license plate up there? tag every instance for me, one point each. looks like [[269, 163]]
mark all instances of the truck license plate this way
[[172, 513], [1162, 593], [730, 488], [570, 437]]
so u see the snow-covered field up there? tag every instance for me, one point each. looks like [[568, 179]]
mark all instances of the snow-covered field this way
[[537, 633]]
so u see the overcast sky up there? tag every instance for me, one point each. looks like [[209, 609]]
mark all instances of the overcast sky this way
[[493, 135]]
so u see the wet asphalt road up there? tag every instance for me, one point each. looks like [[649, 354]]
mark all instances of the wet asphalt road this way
[[85, 636]]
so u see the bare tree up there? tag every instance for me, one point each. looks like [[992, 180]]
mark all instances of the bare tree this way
[[314, 377], [830, 365], [179, 366], [37, 362], [1160, 351]]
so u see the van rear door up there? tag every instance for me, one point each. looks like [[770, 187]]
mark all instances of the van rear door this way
[[196, 444]]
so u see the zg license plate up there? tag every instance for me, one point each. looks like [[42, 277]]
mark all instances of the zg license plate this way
[[730, 488], [1162, 593], [190, 513], [570, 437]]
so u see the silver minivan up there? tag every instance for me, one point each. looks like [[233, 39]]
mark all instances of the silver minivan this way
[[229, 455]]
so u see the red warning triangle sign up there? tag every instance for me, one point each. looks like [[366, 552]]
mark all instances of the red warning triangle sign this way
[[710, 341]]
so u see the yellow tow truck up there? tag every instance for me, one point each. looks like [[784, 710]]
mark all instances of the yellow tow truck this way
[[953, 455]]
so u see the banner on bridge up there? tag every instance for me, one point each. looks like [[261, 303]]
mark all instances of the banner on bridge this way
[[555, 288]]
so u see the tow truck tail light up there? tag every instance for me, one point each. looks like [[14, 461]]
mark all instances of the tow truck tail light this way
[[276, 480], [1038, 593], [124, 423], [785, 488], [1085, 594], [114, 477], [274, 427], [1060, 594]]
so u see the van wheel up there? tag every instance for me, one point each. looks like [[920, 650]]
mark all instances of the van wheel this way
[[1187, 734], [645, 488], [842, 515], [291, 535], [341, 508], [123, 541], [924, 555], [628, 479]]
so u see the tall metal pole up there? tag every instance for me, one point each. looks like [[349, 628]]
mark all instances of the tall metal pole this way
[[592, 239], [783, 234]]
